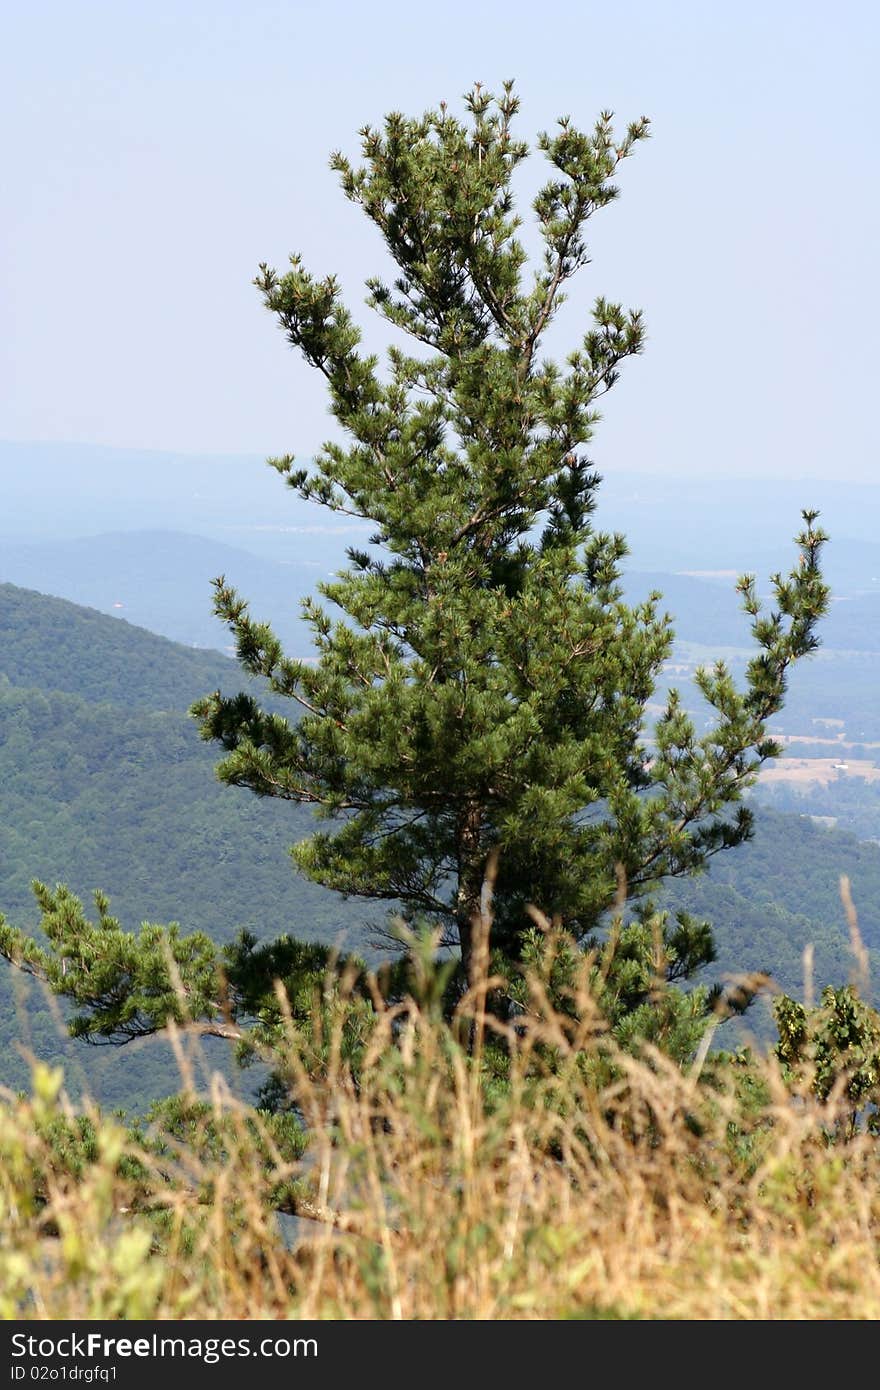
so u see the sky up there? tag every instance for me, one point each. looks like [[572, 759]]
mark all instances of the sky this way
[[153, 154]]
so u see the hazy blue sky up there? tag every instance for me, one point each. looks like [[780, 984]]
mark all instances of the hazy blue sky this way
[[155, 152]]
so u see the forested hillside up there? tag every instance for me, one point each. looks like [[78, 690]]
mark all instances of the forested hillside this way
[[104, 783], [99, 796], [769, 899], [51, 644]]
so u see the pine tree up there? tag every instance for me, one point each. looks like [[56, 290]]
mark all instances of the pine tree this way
[[481, 690], [478, 715]]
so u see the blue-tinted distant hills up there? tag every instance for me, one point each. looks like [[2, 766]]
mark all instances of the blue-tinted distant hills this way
[[52, 491], [61, 491], [161, 580], [711, 523]]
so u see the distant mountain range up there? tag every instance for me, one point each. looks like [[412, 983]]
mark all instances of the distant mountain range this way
[[161, 580], [60, 491]]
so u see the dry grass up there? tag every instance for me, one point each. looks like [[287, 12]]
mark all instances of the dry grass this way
[[592, 1185]]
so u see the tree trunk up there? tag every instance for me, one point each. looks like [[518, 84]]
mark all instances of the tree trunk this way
[[471, 867]]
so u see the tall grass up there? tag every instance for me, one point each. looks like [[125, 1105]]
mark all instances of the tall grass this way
[[584, 1182]]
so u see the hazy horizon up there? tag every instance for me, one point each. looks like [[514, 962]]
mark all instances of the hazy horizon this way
[[251, 456], [155, 155]]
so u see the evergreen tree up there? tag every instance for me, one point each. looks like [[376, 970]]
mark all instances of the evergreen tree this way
[[479, 707], [484, 692]]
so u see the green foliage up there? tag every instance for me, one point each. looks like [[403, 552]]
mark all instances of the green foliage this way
[[486, 696], [838, 1046], [327, 1002], [123, 984], [630, 975], [205, 1135], [127, 985]]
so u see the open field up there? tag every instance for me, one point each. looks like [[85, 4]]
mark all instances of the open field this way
[[810, 739], [819, 771]]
